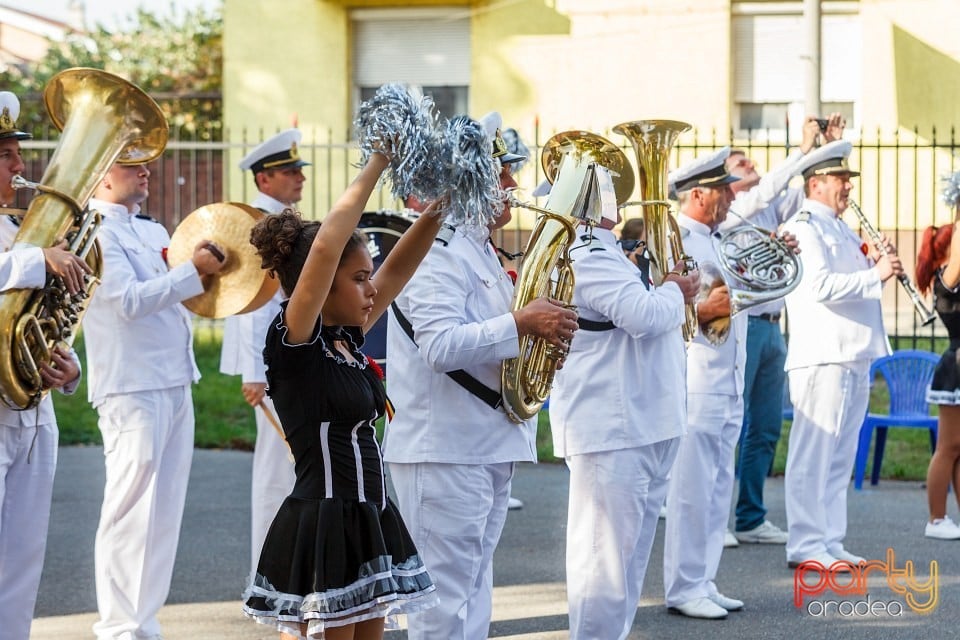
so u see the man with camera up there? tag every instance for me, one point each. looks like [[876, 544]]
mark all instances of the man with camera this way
[[766, 202]]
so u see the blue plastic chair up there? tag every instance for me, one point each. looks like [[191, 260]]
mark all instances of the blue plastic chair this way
[[908, 374]]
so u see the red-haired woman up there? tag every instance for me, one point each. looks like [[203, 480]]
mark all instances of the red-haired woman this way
[[938, 268]]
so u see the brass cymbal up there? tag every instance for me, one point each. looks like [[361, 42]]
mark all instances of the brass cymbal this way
[[241, 286]]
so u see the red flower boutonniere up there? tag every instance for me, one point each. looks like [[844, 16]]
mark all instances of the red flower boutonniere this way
[[513, 275], [375, 367], [864, 249], [163, 254]]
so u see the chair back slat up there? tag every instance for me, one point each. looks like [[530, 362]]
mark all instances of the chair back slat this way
[[908, 374]]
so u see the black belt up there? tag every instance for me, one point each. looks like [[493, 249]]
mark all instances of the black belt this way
[[595, 325], [769, 317]]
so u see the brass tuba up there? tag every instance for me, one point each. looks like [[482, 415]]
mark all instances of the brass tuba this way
[[570, 161], [100, 116], [652, 141]]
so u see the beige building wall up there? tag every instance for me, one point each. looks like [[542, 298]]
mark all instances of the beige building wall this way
[[554, 65], [590, 64]]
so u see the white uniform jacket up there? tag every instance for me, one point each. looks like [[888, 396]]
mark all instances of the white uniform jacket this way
[[138, 335], [26, 269], [458, 303], [768, 205], [713, 369], [623, 387], [244, 335], [835, 313]]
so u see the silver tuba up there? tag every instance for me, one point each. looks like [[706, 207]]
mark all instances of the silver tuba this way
[[755, 266]]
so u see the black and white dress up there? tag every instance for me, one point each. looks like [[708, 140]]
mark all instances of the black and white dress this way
[[945, 386], [338, 551]]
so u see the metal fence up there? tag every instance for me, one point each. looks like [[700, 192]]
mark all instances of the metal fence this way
[[898, 188]]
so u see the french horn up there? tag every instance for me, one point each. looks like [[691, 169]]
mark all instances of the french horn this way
[[102, 119], [571, 161], [756, 268]]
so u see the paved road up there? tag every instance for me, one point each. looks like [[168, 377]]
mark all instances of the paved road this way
[[529, 600]]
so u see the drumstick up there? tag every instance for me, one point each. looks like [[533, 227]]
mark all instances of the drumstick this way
[[276, 425]]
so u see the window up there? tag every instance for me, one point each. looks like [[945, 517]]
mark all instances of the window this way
[[424, 47], [768, 68]]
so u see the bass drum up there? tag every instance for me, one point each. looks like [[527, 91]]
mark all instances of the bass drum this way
[[383, 229]]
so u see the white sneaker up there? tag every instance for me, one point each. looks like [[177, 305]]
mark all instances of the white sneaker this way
[[513, 504], [700, 608], [729, 540], [825, 559], [843, 554], [730, 604], [765, 533], [942, 529], [663, 512]]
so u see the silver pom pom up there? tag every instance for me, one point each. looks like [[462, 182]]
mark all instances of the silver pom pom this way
[[476, 198], [951, 189], [404, 127]]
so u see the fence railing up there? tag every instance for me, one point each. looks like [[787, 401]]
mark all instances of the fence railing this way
[[898, 188]]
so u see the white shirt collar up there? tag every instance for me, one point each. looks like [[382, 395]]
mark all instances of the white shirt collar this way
[[112, 209], [695, 226]]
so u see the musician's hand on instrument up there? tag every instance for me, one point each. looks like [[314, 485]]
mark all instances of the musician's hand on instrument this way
[[791, 241], [61, 262], [61, 370], [835, 125], [716, 304], [547, 319], [889, 266], [811, 129], [689, 283], [208, 258], [253, 392]]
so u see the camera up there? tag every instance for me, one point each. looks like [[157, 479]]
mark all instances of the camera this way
[[822, 123], [629, 245]]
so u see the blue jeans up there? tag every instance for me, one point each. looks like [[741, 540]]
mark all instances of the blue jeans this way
[[762, 417]]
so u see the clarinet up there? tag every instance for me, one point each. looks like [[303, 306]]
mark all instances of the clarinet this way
[[926, 316]]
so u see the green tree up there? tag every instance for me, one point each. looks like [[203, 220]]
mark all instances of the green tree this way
[[178, 60]]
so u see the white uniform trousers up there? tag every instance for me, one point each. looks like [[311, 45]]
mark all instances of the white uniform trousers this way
[[829, 403], [614, 505], [698, 502], [28, 461], [272, 479], [455, 514], [148, 448]]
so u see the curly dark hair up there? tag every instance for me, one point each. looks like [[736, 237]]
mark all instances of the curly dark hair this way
[[283, 242]]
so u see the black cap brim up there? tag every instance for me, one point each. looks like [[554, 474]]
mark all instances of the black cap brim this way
[[508, 157], [15, 135]]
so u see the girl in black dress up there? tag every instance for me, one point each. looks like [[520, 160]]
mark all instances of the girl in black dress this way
[[938, 267], [337, 558]]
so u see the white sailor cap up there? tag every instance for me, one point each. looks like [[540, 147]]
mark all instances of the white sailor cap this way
[[709, 170], [492, 124], [828, 159], [280, 151], [9, 112]]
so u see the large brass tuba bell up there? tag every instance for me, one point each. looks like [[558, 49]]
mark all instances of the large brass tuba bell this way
[[571, 161], [652, 141], [100, 116]]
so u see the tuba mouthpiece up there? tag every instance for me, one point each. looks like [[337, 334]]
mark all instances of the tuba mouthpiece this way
[[19, 182]]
